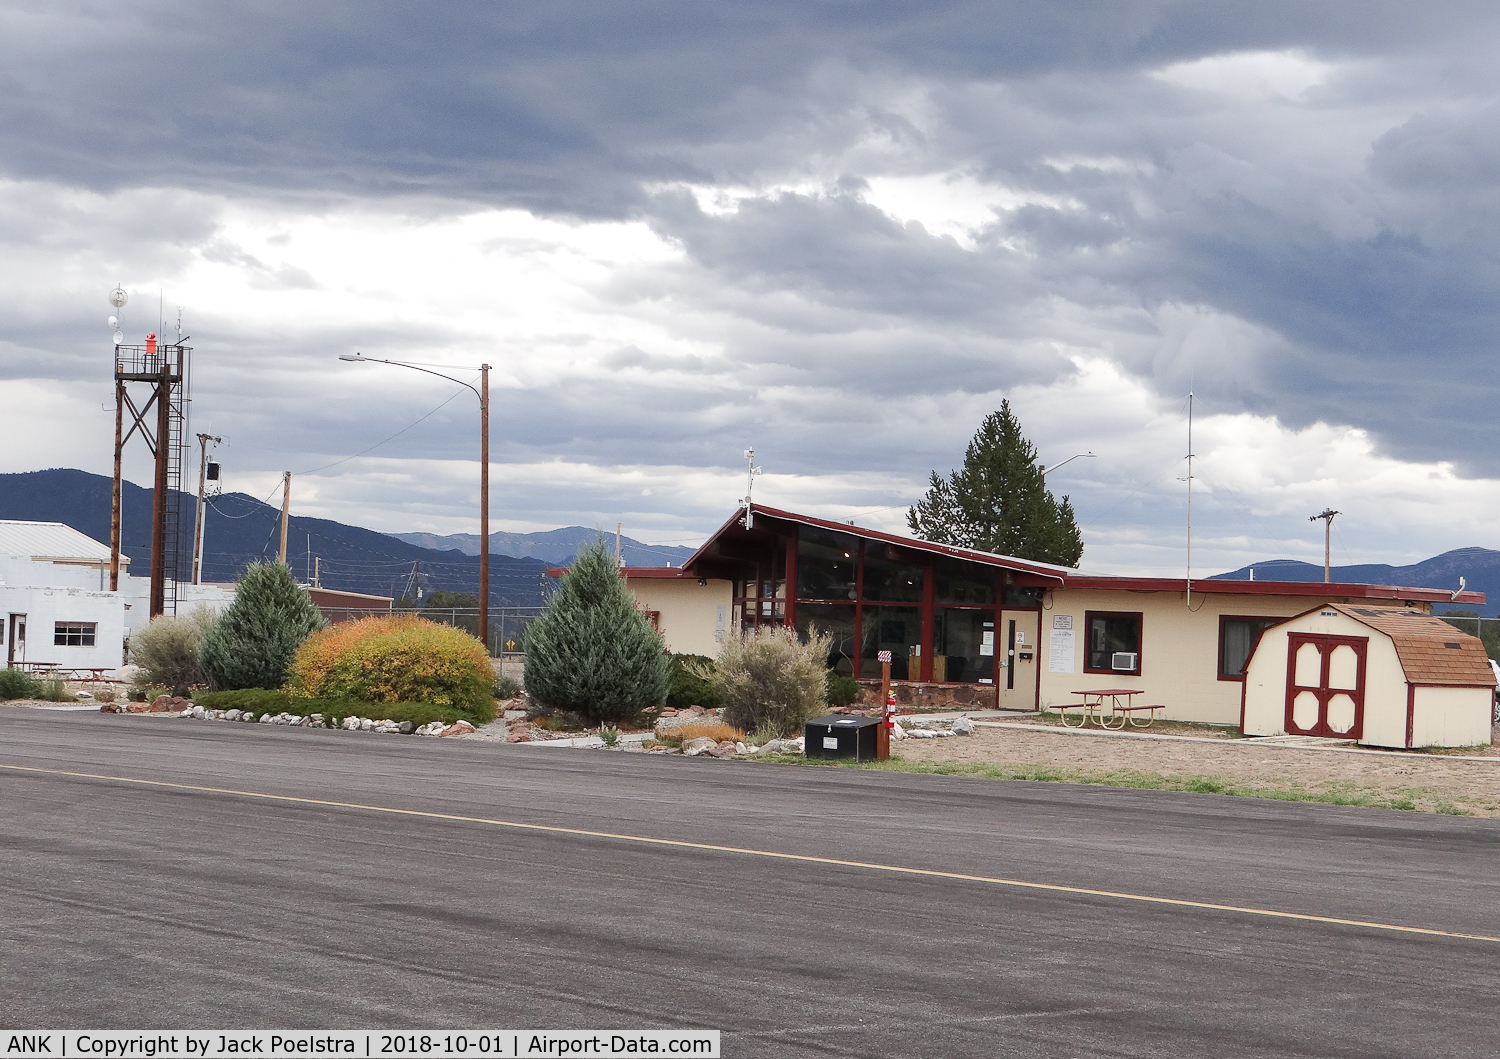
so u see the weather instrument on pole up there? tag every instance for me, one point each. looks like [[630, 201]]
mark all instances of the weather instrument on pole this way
[[749, 520]]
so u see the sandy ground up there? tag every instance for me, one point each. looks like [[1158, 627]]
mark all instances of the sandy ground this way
[[1431, 781]]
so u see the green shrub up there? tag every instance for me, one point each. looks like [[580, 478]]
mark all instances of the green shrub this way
[[399, 658], [843, 690], [53, 691], [14, 684], [253, 644], [259, 701], [506, 687], [770, 680], [686, 688], [166, 650], [592, 652]]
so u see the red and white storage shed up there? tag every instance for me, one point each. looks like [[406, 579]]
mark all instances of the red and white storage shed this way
[[1382, 676]]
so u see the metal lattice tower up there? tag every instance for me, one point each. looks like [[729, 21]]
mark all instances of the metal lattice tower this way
[[165, 370]]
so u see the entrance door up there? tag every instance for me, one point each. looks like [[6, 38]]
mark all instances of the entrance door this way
[[1325, 685], [15, 651], [1017, 647]]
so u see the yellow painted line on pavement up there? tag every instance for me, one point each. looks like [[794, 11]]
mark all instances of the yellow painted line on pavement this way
[[803, 858]]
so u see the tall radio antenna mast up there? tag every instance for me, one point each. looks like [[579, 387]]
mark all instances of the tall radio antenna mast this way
[[1190, 501]]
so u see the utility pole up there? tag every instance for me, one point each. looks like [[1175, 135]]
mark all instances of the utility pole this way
[[1327, 516], [286, 507], [484, 505], [203, 440]]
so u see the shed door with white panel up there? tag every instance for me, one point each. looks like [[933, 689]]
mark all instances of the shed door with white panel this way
[[1325, 685]]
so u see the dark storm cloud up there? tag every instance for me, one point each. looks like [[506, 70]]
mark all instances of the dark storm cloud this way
[[1373, 272]]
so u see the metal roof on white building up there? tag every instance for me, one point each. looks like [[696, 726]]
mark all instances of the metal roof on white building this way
[[51, 541]]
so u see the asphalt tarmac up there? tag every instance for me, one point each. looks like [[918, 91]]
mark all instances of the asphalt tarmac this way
[[131, 905]]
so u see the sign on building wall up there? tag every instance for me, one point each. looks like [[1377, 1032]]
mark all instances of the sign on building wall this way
[[1061, 645]]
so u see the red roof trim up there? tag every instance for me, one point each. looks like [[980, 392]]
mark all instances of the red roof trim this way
[[1315, 589]]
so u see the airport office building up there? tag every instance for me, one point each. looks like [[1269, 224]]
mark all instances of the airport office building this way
[[982, 629]]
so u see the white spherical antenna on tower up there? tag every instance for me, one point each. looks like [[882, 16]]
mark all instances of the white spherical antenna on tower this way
[[114, 321], [119, 337], [118, 297]]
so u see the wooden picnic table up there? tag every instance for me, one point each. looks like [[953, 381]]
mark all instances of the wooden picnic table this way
[[1092, 707]]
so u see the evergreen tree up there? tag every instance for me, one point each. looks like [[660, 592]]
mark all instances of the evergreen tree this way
[[252, 645], [999, 501], [592, 652]]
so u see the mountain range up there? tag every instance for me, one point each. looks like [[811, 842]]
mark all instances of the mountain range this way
[[1479, 567], [552, 546], [240, 529]]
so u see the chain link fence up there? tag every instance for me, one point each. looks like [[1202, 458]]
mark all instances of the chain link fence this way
[[507, 624]]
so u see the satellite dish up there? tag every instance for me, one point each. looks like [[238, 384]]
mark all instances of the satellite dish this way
[[118, 298], [114, 321], [119, 337]]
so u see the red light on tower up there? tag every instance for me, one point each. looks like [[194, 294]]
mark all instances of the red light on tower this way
[[151, 344]]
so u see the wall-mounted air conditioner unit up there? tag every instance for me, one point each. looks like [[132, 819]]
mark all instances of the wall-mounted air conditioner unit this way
[[1128, 661]]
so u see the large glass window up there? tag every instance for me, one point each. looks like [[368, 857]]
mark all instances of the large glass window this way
[[889, 577], [825, 564], [897, 630], [1023, 596], [1114, 643], [963, 646], [838, 622], [960, 582], [1236, 636]]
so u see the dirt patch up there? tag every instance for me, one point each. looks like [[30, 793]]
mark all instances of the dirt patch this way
[[1398, 779]]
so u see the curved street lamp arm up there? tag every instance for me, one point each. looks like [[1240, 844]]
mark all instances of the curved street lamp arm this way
[[361, 358], [1047, 470]]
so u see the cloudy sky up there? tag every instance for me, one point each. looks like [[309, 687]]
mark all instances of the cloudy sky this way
[[840, 232]]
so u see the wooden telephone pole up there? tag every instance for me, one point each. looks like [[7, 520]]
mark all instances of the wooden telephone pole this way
[[286, 506], [1327, 516]]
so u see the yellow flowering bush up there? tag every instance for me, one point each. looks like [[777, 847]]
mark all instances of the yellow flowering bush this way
[[401, 658]]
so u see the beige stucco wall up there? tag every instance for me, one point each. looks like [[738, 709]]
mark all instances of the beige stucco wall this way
[[690, 612], [1452, 716], [1179, 648]]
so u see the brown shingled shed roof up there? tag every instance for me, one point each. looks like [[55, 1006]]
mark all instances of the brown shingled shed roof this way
[[1431, 650]]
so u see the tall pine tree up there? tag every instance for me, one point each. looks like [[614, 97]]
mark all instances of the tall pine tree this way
[[999, 501], [592, 652]]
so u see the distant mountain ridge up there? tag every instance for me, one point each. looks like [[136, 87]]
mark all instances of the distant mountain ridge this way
[[240, 529], [552, 546], [1480, 568]]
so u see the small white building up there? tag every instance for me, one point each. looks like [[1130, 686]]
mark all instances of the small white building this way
[[55, 602], [1382, 676]]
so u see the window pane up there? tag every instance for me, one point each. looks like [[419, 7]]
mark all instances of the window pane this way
[[889, 578], [825, 564], [960, 654], [960, 582], [1113, 633], [1020, 596], [838, 622], [893, 629], [1239, 637]]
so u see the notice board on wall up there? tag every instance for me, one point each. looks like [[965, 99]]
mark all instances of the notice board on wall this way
[[1060, 647]]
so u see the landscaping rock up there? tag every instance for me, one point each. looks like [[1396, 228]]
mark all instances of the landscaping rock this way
[[407, 727], [366, 724], [897, 732], [351, 724], [386, 727], [701, 745], [458, 728], [266, 718], [109, 707], [83, 696], [963, 726]]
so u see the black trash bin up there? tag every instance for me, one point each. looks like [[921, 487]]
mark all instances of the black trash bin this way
[[838, 735]]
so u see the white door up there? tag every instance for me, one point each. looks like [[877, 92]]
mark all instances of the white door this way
[[1017, 646]]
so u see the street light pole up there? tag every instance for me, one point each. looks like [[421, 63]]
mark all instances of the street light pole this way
[[484, 476], [1043, 469]]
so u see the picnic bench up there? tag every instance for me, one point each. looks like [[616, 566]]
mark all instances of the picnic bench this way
[[1122, 709]]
